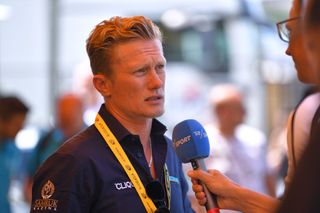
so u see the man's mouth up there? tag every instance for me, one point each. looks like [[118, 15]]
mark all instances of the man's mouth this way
[[154, 98]]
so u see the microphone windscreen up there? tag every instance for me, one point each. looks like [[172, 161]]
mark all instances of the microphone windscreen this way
[[190, 141]]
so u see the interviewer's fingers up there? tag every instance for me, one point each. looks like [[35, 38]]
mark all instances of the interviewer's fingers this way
[[199, 194], [194, 181], [203, 176], [197, 187], [198, 190], [202, 200], [220, 185]]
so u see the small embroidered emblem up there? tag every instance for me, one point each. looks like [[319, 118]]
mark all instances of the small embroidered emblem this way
[[47, 190], [46, 203]]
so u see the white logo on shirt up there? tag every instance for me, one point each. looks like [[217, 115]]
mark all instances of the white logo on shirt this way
[[124, 185]]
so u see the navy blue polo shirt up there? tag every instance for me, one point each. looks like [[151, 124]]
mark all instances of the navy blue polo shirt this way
[[83, 175]]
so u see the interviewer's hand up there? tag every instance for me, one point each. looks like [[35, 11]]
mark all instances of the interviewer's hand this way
[[218, 184], [229, 194]]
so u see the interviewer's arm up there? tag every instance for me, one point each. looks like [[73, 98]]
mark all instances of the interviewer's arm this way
[[230, 195]]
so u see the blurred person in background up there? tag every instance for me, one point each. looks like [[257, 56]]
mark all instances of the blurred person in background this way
[[83, 86], [124, 162], [13, 112], [277, 150], [68, 122], [232, 195], [237, 150]]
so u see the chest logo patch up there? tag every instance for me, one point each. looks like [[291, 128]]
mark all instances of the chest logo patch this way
[[47, 190], [46, 203]]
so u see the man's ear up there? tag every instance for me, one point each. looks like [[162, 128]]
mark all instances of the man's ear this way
[[102, 84]]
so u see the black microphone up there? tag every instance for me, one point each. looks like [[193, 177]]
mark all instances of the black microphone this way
[[191, 143]]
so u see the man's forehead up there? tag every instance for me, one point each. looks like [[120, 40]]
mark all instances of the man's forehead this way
[[137, 48]]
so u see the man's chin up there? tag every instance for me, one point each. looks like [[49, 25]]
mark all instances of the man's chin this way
[[158, 113]]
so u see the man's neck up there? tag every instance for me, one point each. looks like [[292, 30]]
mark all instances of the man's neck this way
[[135, 126], [226, 131], [141, 127]]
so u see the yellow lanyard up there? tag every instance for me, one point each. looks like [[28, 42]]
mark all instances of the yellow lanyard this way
[[117, 150]]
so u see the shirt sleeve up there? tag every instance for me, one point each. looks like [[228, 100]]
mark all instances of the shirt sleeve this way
[[62, 184]]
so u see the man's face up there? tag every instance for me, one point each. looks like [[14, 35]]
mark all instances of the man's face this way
[[136, 86], [296, 47], [69, 115], [231, 114]]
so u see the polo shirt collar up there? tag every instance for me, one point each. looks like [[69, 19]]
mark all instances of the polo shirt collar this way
[[120, 132]]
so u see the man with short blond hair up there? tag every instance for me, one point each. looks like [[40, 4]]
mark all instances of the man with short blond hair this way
[[124, 162]]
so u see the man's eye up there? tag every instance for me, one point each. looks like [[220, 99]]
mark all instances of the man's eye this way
[[160, 67], [140, 71]]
